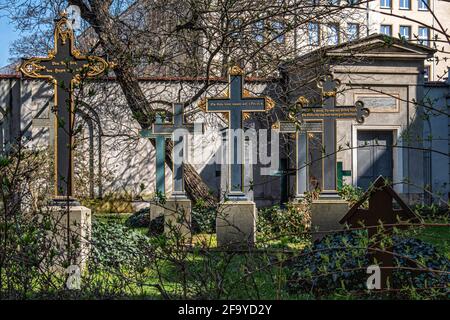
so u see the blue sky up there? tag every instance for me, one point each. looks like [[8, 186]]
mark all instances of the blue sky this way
[[7, 35]]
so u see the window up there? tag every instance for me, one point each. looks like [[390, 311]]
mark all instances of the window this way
[[352, 2], [405, 32], [278, 29], [258, 31], [426, 73], [405, 4], [352, 31], [385, 4], [333, 34], [334, 2], [424, 36], [313, 33], [423, 5], [386, 29]]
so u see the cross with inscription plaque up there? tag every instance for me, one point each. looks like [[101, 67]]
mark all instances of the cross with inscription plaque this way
[[237, 103], [175, 131], [64, 67], [328, 114]]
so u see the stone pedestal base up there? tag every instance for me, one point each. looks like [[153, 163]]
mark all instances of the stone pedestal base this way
[[325, 216], [156, 210], [177, 217], [236, 224], [73, 244]]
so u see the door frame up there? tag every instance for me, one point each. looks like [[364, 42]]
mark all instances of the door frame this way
[[397, 154]]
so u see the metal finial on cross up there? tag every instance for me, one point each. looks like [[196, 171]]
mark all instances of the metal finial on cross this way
[[329, 85]]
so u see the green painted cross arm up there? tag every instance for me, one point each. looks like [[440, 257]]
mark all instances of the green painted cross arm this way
[[147, 133]]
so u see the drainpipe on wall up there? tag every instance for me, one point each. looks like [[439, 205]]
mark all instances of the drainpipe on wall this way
[[427, 161]]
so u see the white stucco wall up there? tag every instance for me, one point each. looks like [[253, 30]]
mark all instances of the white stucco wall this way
[[127, 161]]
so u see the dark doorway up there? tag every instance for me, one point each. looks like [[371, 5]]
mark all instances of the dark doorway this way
[[374, 156]]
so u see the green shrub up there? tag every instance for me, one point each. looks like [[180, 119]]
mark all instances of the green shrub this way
[[350, 193], [139, 219], [432, 211], [203, 218], [156, 226], [113, 245], [287, 225], [338, 262]]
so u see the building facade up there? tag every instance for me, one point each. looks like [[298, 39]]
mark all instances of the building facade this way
[[395, 140], [419, 21], [405, 138], [169, 40]]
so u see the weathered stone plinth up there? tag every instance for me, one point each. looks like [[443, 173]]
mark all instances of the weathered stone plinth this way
[[325, 216], [177, 217], [75, 242], [156, 210], [236, 224]]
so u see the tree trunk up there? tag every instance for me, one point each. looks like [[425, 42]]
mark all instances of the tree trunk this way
[[194, 185], [99, 18]]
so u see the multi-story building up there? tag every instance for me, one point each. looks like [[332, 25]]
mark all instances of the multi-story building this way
[[424, 22], [305, 26], [421, 21]]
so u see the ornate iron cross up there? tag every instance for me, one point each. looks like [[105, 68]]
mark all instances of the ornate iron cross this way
[[65, 67], [236, 105], [328, 114]]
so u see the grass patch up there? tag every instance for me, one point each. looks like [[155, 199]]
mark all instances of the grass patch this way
[[223, 275], [205, 240], [111, 217], [438, 236], [109, 205]]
